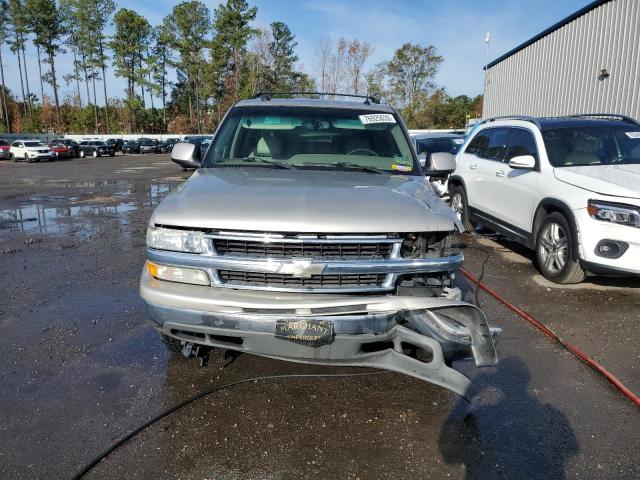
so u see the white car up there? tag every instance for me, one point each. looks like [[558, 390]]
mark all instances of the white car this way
[[568, 187], [30, 151]]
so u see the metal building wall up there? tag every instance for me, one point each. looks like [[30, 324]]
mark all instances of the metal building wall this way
[[559, 74]]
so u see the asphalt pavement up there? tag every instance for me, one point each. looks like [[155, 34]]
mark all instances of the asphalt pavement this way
[[80, 366]]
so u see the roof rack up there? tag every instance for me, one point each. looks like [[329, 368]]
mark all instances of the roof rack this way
[[266, 96], [525, 118], [623, 118]]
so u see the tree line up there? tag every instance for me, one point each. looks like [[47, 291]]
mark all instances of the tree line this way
[[183, 74]]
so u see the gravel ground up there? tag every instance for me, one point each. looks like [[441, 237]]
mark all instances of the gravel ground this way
[[80, 366]]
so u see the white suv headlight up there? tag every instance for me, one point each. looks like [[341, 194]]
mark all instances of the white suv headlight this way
[[614, 213], [176, 240]]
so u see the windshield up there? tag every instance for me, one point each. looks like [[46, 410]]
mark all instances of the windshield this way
[[299, 137], [597, 145], [34, 144]]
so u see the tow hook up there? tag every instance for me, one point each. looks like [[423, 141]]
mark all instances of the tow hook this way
[[201, 352]]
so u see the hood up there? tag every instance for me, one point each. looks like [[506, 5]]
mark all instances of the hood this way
[[613, 180], [312, 201]]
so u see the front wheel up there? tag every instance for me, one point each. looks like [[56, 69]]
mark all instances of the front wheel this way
[[555, 251], [95, 154], [458, 198], [13, 157], [81, 153]]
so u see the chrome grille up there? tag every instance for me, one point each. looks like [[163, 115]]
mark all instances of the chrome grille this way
[[319, 282], [255, 248], [305, 248]]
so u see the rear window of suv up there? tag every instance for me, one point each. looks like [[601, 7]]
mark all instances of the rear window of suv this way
[[303, 137], [592, 145]]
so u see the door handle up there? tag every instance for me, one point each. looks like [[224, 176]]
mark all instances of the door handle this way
[[500, 173], [473, 166]]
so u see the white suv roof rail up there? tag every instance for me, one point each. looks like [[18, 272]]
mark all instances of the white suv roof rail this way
[[533, 120]]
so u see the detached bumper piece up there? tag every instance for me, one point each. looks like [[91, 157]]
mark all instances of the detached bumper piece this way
[[419, 343]]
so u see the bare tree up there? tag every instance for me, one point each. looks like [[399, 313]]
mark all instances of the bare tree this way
[[322, 61], [337, 67], [356, 56]]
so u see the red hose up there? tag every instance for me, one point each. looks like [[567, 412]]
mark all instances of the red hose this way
[[547, 331]]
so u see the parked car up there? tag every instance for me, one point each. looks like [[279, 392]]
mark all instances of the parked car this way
[[428, 143], [131, 146], [311, 234], [4, 149], [30, 151], [116, 143], [568, 187], [167, 145], [149, 145], [96, 148], [72, 144], [201, 143], [60, 150]]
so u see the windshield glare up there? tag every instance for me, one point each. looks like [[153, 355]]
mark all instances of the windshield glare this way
[[597, 145], [299, 137]]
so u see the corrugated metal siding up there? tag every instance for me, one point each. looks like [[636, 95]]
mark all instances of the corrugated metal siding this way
[[558, 74]]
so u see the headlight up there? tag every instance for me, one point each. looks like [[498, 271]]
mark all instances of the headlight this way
[[176, 240], [614, 213], [178, 274]]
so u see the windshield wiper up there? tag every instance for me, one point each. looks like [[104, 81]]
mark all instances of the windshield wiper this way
[[354, 166], [270, 162]]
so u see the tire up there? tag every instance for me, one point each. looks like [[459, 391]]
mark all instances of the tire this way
[[95, 154], [113, 154], [81, 153], [171, 344], [26, 158], [13, 157], [555, 251], [458, 199]]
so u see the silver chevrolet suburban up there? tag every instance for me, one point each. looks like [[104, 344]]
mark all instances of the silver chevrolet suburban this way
[[310, 234]]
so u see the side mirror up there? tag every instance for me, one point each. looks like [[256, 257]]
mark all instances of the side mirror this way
[[186, 155], [441, 164], [523, 162]]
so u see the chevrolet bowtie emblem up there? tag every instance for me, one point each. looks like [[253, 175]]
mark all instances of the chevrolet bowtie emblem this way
[[302, 268]]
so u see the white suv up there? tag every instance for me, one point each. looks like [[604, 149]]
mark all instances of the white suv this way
[[568, 187], [31, 150]]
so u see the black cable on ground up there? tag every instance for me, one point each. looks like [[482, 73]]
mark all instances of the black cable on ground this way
[[487, 255], [87, 468]]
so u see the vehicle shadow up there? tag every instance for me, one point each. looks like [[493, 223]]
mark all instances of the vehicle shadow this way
[[506, 432], [507, 246]]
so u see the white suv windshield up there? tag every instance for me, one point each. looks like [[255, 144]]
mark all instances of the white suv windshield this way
[[299, 137], [592, 145]]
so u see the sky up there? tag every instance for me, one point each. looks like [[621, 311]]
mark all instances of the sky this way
[[457, 29]]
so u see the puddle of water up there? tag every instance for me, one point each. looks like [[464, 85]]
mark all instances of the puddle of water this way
[[86, 183], [77, 215], [36, 218]]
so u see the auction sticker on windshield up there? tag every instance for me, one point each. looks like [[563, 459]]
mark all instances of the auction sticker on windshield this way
[[633, 134], [377, 118]]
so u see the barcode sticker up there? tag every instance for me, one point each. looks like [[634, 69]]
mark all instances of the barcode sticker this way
[[377, 118], [633, 134]]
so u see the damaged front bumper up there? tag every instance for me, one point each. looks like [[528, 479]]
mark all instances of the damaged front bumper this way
[[380, 331]]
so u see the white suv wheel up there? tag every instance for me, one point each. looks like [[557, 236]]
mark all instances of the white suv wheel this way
[[555, 251], [553, 247]]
